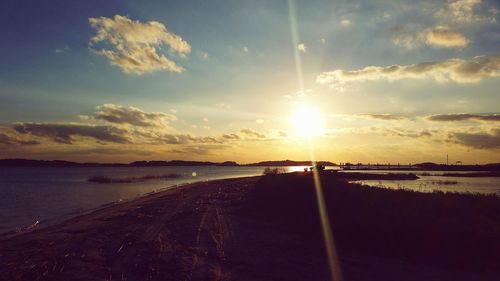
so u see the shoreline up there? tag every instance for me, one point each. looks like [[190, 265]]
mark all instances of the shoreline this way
[[82, 212], [264, 227]]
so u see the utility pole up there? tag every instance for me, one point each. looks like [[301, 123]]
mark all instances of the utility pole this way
[[446, 159]]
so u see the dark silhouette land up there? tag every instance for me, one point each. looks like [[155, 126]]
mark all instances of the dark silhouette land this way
[[267, 228]]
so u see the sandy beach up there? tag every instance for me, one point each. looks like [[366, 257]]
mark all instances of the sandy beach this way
[[267, 228]]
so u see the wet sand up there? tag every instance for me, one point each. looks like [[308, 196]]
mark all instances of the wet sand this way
[[266, 228]]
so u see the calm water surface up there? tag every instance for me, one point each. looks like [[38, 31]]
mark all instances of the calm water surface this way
[[52, 194], [432, 180]]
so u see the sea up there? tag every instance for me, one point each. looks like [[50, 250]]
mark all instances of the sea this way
[[43, 196]]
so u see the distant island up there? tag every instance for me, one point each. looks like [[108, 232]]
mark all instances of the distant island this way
[[62, 163]]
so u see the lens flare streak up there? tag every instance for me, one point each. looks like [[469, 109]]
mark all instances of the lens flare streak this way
[[333, 264]]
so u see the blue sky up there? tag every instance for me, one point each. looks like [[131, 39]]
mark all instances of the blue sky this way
[[240, 74]]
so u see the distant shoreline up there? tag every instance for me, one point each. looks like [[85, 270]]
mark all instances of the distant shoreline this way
[[426, 166]]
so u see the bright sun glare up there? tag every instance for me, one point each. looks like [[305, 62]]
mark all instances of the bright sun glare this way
[[307, 121]]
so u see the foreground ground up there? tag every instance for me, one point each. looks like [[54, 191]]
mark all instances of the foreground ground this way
[[267, 228]]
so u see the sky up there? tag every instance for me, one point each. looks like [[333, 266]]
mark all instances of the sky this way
[[247, 81]]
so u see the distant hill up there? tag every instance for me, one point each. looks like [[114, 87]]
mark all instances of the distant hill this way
[[290, 163], [53, 163], [61, 163]]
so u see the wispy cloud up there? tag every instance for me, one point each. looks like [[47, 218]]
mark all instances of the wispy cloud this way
[[463, 11], [400, 132], [131, 116], [385, 116], [302, 47], [133, 46], [9, 140], [231, 136], [438, 36], [464, 117], [445, 38], [482, 140], [345, 23], [65, 133], [253, 134], [202, 55], [455, 70], [404, 38]]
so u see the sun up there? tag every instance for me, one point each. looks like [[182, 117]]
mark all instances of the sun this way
[[307, 121]]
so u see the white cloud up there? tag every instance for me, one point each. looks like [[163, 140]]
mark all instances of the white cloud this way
[[404, 38], [443, 37], [322, 41], [456, 70], [202, 55], [302, 47], [61, 50], [133, 45], [462, 11], [345, 23], [438, 36], [245, 49], [223, 105]]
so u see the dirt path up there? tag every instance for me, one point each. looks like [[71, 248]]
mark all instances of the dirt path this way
[[173, 235]]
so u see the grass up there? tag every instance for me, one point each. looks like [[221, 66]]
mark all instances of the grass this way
[[274, 171], [438, 229]]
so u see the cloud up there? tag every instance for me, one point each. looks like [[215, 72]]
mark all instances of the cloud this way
[[322, 40], [444, 38], [252, 133], [404, 38], [199, 150], [180, 139], [464, 117], [388, 117], [483, 140], [202, 55], [10, 140], [65, 133], [61, 50], [231, 136], [302, 47], [438, 36], [345, 23], [462, 11], [223, 105], [131, 116], [456, 70], [133, 45], [409, 133]]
